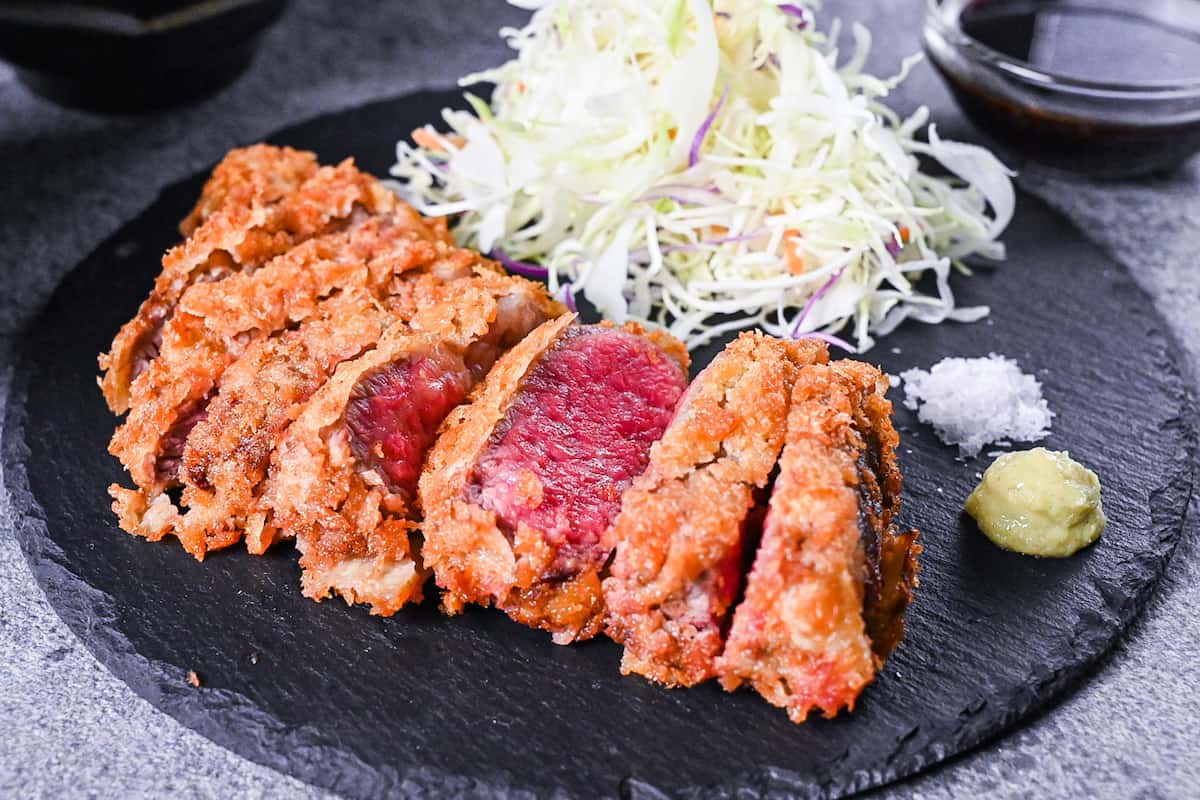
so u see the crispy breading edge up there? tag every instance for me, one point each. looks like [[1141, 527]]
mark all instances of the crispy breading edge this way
[[227, 453], [799, 636], [205, 335], [221, 477], [242, 236], [249, 175], [316, 494], [682, 521], [899, 551]]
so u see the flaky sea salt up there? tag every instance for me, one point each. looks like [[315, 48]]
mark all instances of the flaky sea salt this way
[[971, 402]]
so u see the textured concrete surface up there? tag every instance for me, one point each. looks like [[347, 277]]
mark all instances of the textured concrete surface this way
[[70, 179]]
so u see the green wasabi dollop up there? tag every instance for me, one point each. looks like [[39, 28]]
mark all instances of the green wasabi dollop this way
[[1039, 502]]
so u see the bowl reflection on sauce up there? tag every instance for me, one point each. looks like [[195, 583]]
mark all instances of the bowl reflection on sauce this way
[[1103, 88], [130, 55]]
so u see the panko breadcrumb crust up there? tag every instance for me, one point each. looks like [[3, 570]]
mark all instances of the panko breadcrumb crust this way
[[824, 600], [227, 453], [473, 560], [244, 225], [260, 174], [680, 533], [215, 323]]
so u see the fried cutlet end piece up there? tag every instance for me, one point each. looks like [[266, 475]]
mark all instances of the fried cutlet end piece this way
[[343, 478], [479, 539], [215, 323], [249, 176], [802, 635], [680, 534], [247, 231]]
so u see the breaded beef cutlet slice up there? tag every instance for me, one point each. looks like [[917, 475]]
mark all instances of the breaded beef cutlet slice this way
[[343, 480], [681, 532], [244, 233], [824, 601], [226, 454], [215, 323], [523, 482]]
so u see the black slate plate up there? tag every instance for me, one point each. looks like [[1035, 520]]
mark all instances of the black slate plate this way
[[421, 705]]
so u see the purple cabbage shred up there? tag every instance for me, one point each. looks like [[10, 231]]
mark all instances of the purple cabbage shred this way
[[522, 268], [694, 155]]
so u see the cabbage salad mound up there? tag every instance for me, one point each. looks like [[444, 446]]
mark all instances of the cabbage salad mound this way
[[710, 166]]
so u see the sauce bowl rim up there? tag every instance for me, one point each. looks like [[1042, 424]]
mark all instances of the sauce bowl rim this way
[[941, 17]]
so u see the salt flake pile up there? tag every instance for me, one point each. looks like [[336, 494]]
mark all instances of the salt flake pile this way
[[971, 402]]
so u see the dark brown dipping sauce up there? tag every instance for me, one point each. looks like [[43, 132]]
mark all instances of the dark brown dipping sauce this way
[[1078, 40], [1092, 41]]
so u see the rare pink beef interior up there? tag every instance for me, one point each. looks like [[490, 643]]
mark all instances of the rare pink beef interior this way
[[582, 425], [394, 413]]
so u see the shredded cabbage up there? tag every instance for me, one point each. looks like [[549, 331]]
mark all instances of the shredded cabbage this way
[[709, 166]]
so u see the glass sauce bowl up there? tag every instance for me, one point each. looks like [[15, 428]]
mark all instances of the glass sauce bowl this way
[[1105, 88]]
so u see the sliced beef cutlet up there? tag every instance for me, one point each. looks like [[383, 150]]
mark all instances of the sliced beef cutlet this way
[[681, 533], [214, 325], [343, 481], [318, 362], [825, 598], [265, 203], [523, 481], [226, 454]]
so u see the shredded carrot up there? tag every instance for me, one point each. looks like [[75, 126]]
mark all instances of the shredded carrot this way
[[435, 141], [791, 248], [673, 133], [905, 235], [521, 87]]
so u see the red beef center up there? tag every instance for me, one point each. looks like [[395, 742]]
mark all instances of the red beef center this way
[[394, 413], [170, 455], [577, 434]]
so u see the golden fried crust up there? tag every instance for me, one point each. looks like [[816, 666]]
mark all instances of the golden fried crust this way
[[215, 323], [472, 559], [243, 235], [353, 532], [213, 326], [227, 453], [679, 535], [799, 636], [250, 176]]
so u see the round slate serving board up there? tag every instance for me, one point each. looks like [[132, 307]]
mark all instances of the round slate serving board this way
[[422, 705]]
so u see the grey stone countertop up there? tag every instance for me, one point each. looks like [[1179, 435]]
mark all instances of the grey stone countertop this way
[[70, 729]]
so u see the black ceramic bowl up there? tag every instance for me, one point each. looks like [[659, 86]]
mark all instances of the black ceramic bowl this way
[[1104, 88], [129, 55]]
